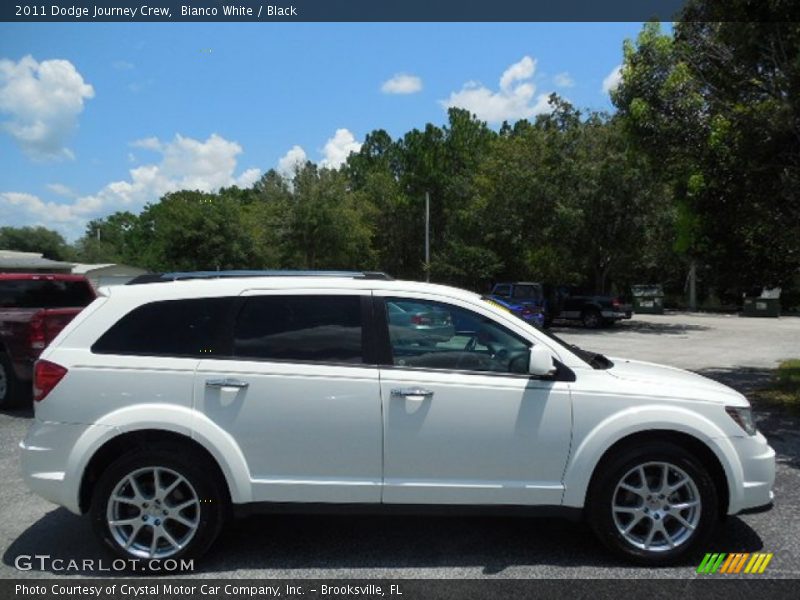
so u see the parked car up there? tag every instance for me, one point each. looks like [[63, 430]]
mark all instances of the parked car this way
[[524, 299], [417, 323], [162, 407], [570, 303], [34, 308]]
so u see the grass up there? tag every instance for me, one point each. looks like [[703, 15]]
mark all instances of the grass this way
[[785, 386]]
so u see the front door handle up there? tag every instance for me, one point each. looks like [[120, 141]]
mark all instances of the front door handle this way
[[226, 382], [412, 394]]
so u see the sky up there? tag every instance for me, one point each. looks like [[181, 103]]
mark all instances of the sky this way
[[101, 117]]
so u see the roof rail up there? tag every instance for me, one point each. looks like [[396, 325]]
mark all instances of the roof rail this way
[[188, 275]]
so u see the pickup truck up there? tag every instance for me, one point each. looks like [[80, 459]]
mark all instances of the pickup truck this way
[[569, 303], [34, 308]]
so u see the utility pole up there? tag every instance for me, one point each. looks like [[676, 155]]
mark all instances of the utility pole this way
[[427, 236], [693, 286]]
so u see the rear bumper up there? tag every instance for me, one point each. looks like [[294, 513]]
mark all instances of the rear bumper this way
[[616, 314], [46, 462]]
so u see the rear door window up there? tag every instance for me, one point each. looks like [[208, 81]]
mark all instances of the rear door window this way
[[325, 329]]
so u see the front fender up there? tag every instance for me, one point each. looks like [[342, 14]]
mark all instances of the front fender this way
[[164, 417], [593, 446]]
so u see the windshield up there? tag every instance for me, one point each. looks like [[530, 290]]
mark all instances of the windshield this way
[[527, 292]]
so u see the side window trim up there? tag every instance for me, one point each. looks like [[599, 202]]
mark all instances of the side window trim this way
[[380, 326]]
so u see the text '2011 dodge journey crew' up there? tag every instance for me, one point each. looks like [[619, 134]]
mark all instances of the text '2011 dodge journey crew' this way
[[164, 406]]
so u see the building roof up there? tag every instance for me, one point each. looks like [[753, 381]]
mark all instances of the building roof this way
[[11, 259]]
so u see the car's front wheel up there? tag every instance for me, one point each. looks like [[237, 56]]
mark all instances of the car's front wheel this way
[[156, 504], [655, 503]]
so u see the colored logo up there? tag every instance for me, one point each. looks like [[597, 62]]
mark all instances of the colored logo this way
[[741, 562]]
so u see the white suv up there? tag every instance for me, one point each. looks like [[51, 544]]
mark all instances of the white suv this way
[[163, 406]]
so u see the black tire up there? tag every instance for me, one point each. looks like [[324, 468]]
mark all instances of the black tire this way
[[209, 513], [606, 525], [13, 391], [592, 319]]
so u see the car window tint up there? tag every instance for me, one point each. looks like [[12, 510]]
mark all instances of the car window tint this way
[[433, 335], [168, 328], [44, 293], [300, 328]]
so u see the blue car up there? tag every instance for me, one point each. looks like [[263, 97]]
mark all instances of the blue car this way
[[524, 299]]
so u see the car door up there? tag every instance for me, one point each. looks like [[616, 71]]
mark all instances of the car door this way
[[463, 421], [298, 398]]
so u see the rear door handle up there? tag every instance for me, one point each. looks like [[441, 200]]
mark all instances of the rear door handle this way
[[226, 382], [412, 393]]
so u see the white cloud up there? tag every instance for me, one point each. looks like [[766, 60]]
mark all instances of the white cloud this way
[[613, 79], [402, 83], [61, 190], [185, 163], [20, 209], [122, 65], [564, 80], [338, 148], [289, 162], [43, 100], [149, 143], [516, 98]]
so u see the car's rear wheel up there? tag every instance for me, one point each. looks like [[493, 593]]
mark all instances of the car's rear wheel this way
[[591, 318], [12, 390], [156, 504], [654, 504]]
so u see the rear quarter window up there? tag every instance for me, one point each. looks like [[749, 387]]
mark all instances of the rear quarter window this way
[[190, 328]]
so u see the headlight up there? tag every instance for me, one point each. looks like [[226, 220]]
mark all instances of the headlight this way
[[743, 417]]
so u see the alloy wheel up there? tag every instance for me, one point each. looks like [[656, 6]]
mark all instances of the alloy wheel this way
[[153, 513], [656, 507]]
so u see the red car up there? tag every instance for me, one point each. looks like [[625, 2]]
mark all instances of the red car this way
[[34, 308]]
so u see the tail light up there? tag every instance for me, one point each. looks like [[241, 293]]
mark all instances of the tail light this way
[[37, 337], [616, 303], [46, 376], [420, 320]]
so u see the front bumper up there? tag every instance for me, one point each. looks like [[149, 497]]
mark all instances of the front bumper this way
[[757, 459]]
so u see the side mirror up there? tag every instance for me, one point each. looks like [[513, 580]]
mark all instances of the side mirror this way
[[540, 362]]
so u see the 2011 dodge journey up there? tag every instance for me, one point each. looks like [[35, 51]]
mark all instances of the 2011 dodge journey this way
[[163, 406]]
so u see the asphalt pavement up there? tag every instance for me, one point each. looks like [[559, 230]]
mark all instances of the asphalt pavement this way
[[739, 352]]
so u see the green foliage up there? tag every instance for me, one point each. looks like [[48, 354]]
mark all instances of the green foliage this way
[[700, 163], [51, 244], [717, 105]]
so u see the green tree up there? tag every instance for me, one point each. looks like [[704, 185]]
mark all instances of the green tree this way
[[328, 228], [716, 105], [49, 243], [191, 230], [109, 240]]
